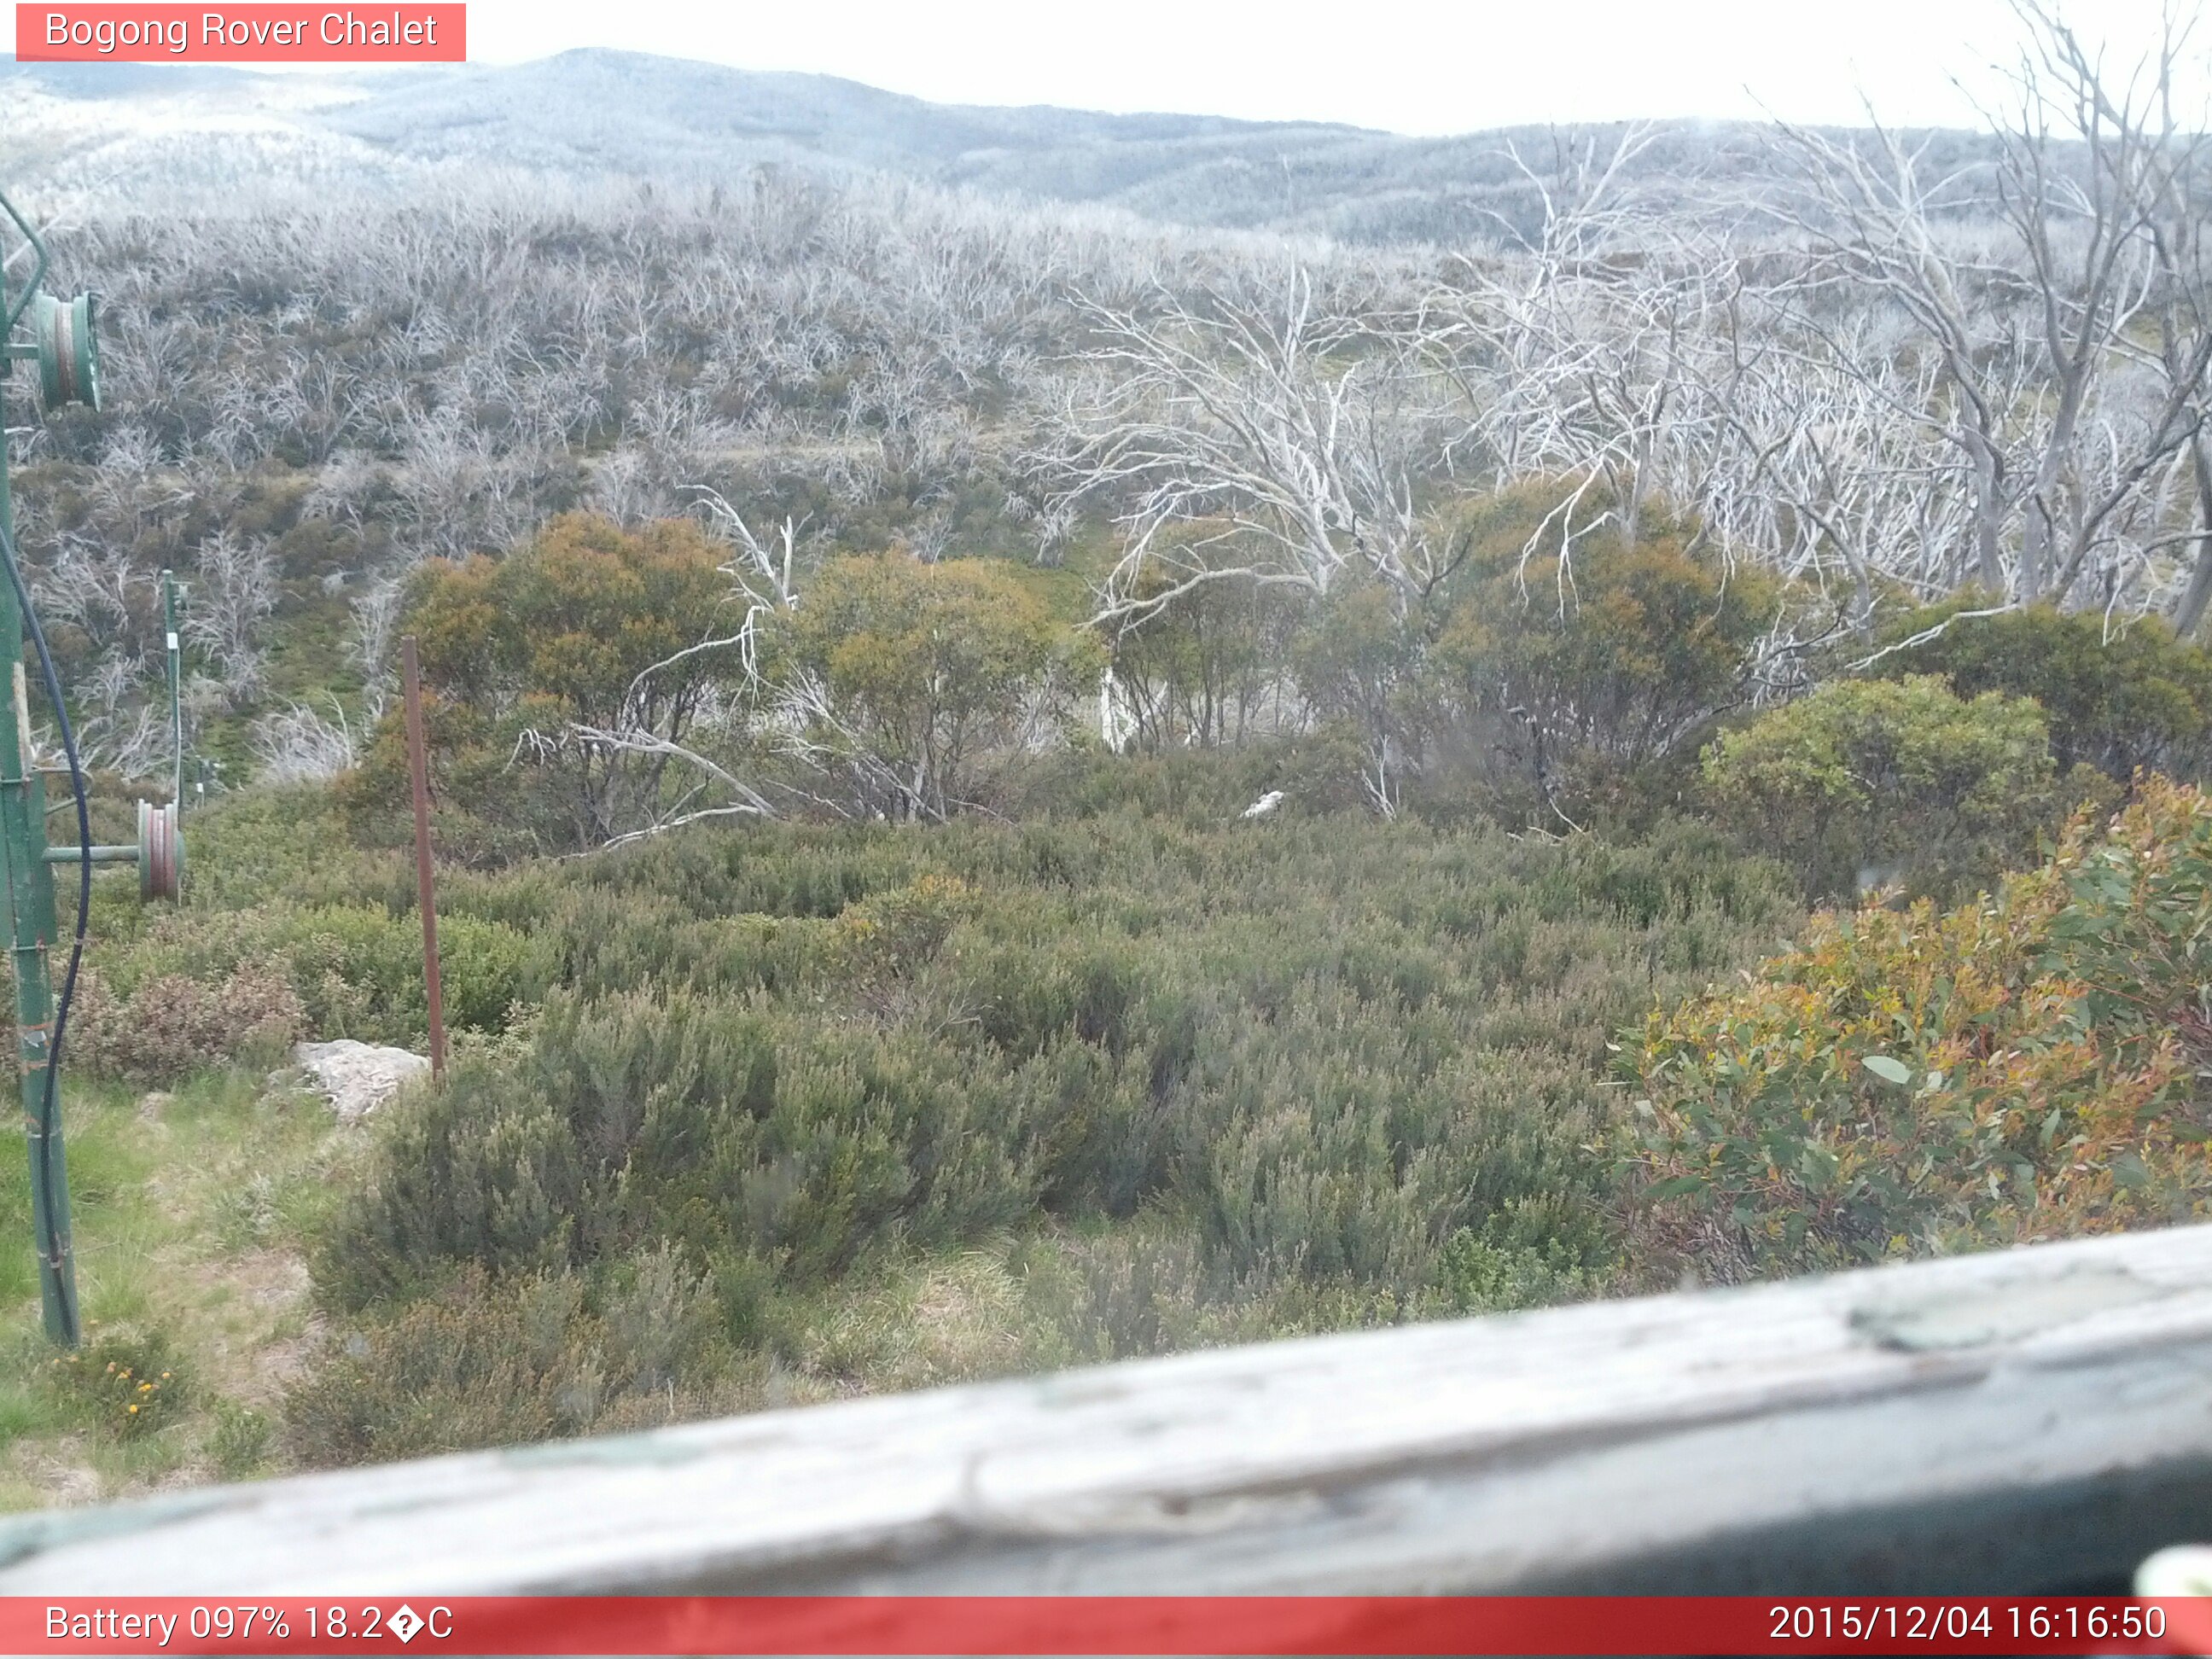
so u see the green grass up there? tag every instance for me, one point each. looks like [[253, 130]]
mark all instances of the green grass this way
[[189, 1217]]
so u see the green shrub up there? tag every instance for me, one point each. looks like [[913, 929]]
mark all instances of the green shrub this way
[[1327, 1045], [1487, 1272], [355, 972], [892, 934], [290, 844], [1361, 661], [871, 1104], [559, 631], [1561, 675], [639, 1116], [1878, 772], [2027, 1066], [1202, 670], [241, 1441], [2121, 699], [939, 674]]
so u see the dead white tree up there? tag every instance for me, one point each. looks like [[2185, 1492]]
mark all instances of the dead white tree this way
[[376, 618], [2055, 299], [232, 601], [765, 574], [656, 734], [1299, 437], [132, 740], [1891, 376], [296, 745], [776, 701], [1823, 461], [1585, 349]]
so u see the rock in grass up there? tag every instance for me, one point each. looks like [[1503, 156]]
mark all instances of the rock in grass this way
[[358, 1077]]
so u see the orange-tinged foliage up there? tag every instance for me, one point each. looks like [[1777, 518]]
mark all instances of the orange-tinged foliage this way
[[584, 624], [571, 616], [1624, 650], [2020, 1067]]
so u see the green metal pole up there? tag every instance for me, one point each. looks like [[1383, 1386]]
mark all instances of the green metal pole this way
[[30, 932], [176, 687]]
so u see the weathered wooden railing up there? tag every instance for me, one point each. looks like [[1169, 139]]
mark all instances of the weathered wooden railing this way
[[2034, 1420]]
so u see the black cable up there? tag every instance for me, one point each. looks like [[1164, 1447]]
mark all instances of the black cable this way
[[49, 1106]]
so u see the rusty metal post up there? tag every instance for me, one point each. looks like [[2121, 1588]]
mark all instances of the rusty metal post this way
[[419, 769]]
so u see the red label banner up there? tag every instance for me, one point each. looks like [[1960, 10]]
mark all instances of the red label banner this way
[[260, 33], [1239, 1625]]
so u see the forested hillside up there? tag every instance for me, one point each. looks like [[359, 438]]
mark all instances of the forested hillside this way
[[1018, 781]]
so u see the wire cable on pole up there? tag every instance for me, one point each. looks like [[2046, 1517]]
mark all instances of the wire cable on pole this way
[[50, 1102]]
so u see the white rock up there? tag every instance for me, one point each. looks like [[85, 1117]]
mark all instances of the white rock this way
[[358, 1077]]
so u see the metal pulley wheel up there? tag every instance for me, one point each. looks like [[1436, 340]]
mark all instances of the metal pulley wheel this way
[[161, 851], [68, 350]]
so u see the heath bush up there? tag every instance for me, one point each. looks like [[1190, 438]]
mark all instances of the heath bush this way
[[171, 1026], [1328, 1046], [357, 971], [480, 1361]]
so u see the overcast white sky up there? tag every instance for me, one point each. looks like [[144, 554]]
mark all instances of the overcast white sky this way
[[1422, 66], [1418, 66]]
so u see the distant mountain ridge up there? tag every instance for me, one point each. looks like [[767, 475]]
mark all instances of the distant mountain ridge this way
[[599, 112]]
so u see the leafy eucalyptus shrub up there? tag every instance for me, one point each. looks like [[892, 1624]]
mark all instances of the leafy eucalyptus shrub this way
[[2026, 1066], [558, 631], [1361, 661], [2118, 698], [1900, 773], [1566, 673], [1205, 669], [939, 675]]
